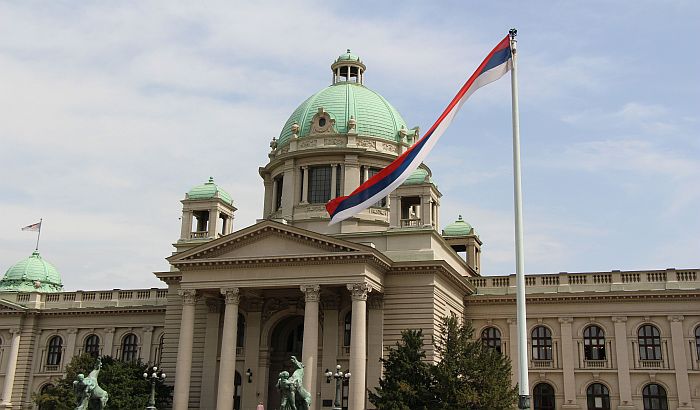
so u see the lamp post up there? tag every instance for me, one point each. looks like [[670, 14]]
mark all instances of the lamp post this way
[[156, 375], [339, 376]]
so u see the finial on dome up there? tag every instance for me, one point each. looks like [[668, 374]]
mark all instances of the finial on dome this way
[[211, 180]]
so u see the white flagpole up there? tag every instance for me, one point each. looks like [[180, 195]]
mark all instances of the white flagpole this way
[[524, 385], [38, 235]]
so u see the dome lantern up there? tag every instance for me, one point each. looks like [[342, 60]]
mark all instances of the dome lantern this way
[[348, 68]]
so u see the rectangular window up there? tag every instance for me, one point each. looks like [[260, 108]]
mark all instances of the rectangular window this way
[[338, 180], [372, 172], [278, 194], [319, 184]]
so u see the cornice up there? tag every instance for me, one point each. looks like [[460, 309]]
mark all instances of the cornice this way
[[280, 261], [587, 297], [98, 311], [431, 267]]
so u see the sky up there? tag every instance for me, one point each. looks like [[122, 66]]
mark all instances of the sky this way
[[111, 111]]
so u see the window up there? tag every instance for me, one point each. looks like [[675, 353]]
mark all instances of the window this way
[[598, 397], [92, 345], [240, 331], [160, 349], [278, 193], [130, 348], [654, 397], [649, 343], [492, 338], [53, 356], [594, 343], [372, 172], [347, 329], [47, 389], [541, 343], [543, 397], [697, 341], [338, 180], [319, 184]]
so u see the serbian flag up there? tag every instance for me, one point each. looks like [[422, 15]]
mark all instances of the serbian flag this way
[[494, 66], [33, 227]]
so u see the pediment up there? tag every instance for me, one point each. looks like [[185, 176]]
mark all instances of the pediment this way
[[7, 306], [268, 239]]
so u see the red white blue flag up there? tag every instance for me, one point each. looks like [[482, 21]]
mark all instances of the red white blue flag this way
[[33, 227], [494, 66]]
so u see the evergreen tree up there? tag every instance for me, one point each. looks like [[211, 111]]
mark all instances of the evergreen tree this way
[[406, 381], [470, 375], [122, 380]]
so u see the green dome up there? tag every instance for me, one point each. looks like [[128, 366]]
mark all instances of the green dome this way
[[209, 190], [373, 114], [32, 274], [347, 56], [460, 227], [418, 177]]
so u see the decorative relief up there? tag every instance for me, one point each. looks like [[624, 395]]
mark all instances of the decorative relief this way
[[333, 141], [231, 295], [285, 149], [388, 147], [378, 211], [109, 330], [189, 296], [307, 143], [15, 330], [72, 331], [361, 142], [676, 318], [359, 291], [322, 123], [619, 319], [148, 329], [566, 320], [311, 292]]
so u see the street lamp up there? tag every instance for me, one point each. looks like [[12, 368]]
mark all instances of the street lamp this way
[[339, 376], [156, 375]]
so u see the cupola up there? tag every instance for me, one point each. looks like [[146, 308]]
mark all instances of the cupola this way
[[462, 237], [416, 203], [207, 213], [348, 68], [32, 274]]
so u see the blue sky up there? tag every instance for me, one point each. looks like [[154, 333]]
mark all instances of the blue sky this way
[[112, 111]]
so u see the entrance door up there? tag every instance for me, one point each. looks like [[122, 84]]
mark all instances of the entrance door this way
[[287, 339]]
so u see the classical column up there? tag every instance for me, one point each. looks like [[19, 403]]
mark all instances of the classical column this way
[[358, 345], [270, 196], [273, 200], [679, 362], [252, 353], [146, 342], [623, 366], [213, 221], [186, 229], [513, 351], [334, 177], [207, 399], [227, 365], [10, 370], [567, 350], [375, 340], [305, 185], [309, 350], [183, 367]]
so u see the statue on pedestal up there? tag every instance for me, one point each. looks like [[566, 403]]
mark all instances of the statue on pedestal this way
[[88, 392], [293, 394]]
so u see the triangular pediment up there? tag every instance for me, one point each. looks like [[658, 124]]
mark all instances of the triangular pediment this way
[[268, 239], [7, 306]]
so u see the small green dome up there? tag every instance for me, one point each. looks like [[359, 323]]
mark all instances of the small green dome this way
[[373, 114], [347, 56], [418, 177], [32, 274], [209, 190], [460, 227]]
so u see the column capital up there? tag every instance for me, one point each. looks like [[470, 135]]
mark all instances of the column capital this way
[[359, 291], [311, 292], [566, 320], [231, 295], [109, 330], [619, 319], [512, 321], [15, 331], [304, 167], [72, 330], [148, 329], [676, 318], [375, 301], [189, 296]]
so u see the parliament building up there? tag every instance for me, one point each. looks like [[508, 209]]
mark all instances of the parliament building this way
[[237, 302]]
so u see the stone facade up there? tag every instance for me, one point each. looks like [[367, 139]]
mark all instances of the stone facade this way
[[239, 303]]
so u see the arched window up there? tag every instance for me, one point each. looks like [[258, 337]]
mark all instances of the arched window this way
[[237, 391], [543, 397], [347, 329], [130, 348], [649, 343], [594, 343], [598, 397], [541, 343], [492, 338], [240, 331], [654, 397], [697, 341], [47, 389], [53, 356], [92, 345], [160, 349]]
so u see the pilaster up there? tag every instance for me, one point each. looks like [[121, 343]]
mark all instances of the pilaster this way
[[623, 366], [211, 351], [680, 362], [567, 348], [375, 341]]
